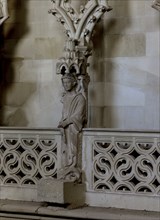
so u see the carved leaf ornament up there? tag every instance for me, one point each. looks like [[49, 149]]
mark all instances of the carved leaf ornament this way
[[79, 26]]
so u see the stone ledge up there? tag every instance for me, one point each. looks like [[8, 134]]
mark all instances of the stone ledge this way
[[20, 209]]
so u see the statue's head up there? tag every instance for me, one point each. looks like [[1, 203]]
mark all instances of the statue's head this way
[[69, 82]]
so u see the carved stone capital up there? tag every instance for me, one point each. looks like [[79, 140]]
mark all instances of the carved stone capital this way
[[79, 25]]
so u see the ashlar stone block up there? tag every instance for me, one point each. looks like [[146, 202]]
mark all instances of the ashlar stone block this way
[[61, 192], [131, 45]]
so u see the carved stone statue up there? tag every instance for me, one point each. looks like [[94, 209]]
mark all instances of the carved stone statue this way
[[79, 25], [3, 11], [156, 4], [71, 124]]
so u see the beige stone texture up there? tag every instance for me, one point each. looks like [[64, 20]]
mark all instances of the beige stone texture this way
[[61, 192], [121, 45], [125, 68], [124, 91], [18, 93]]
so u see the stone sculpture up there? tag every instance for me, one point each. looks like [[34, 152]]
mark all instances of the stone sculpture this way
[[71, 124], [156, 4], [79, 25], [79, 29], [3, 11]]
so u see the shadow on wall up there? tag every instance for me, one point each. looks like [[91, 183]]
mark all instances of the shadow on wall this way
[[100, 113], [11, 90]]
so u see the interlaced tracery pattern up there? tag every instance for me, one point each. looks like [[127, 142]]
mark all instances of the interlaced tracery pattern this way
[[130, 166], [24, 160]]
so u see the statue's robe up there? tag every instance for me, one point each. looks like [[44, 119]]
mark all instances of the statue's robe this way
[[156, 4], [74, 112], [1, 11]]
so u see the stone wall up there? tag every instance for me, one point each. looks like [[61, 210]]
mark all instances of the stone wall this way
[[124, 70], [33, 42], [125, 85]]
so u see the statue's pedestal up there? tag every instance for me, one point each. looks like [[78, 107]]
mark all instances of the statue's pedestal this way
[[61, 192]]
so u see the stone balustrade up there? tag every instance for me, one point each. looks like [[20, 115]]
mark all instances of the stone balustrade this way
[[26, 157], [121, 169]]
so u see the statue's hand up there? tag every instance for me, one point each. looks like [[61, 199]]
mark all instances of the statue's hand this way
[[63, 124], [2, 20]]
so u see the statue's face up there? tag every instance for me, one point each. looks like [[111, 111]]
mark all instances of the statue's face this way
[[68, 84]]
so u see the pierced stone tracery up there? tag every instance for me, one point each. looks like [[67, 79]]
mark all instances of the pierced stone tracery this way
[[26, 160], [131, 166]]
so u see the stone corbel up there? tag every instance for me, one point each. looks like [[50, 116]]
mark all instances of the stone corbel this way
[[79, 27]]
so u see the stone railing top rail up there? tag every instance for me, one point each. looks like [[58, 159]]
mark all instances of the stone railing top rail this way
[[29, 130], [117, 131], [85, 130]]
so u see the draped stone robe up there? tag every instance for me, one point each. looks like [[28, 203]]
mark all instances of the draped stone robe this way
[[156, 4], [3, 11], [74, 112]]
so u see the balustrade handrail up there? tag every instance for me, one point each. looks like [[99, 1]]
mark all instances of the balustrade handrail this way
[[45, 129], [26, 129], [116, 130]]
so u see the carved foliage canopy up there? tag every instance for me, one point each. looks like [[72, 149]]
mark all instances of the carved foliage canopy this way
[[79, 25]]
